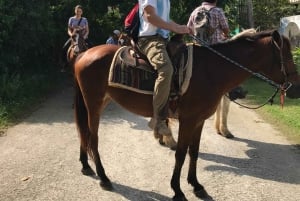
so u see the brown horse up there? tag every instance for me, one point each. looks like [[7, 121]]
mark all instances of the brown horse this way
[[267, 53]]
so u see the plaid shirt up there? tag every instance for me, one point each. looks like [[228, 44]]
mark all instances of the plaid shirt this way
[[218, 21]]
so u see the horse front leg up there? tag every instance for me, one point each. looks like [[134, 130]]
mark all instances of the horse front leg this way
[[199, 190], [180, 154], [175, 181]]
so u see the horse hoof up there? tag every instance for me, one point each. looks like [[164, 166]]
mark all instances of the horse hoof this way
[[157, 135], [227, 134], [106, 185], [88, 171], [161, 142], [201, 193], [181, 198], [170, 142]]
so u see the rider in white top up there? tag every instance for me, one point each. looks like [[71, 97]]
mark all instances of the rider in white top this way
[[162, 8]]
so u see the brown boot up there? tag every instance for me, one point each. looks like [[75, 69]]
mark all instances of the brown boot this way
[[161, 127]]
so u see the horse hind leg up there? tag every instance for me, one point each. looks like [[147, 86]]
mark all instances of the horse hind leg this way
[[94, 118], [88, 130], [86, 168], [217, 118], [82, 125], [221, 116], [105, 182]]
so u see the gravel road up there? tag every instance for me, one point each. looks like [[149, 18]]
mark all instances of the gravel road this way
[[39, 159]]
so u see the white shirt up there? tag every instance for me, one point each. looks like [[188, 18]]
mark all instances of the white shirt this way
[[162, 8]]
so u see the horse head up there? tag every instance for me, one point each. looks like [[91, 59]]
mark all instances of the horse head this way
[[291, 78], [78, 45], [271, 59], [124, 40]]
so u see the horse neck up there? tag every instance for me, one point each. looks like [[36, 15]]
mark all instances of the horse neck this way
[[78, 44], [82, 45], [226, 74]]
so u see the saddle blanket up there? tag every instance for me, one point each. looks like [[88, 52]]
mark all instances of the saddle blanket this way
[[131, 76]]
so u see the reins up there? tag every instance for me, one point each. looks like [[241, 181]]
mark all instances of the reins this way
[[282, 87], [269, 100]]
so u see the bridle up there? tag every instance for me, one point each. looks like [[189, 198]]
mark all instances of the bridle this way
[[79, 45], [282, 87]]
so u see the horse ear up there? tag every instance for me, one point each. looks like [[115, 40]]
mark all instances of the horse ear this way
[[277, 39]]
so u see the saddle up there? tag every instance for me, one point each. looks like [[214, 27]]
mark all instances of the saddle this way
[[131, 57], [131, 69]]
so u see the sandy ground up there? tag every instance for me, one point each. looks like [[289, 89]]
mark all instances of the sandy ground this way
[[39, 159]]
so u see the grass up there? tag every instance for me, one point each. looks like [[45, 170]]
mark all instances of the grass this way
[[285, 118], [19, 96]]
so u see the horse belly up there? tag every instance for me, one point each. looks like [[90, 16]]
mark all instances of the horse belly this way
[[140, 104]]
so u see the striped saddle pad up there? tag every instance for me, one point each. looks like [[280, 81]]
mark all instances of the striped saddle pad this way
[[134, 73], [131, 72]]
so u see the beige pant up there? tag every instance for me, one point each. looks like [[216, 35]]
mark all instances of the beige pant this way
[[154, 47]]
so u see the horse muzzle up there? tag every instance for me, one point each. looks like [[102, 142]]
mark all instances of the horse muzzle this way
[[293, 91]]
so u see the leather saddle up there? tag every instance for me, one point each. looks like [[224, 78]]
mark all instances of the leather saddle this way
[[130, 56], [134, 67]]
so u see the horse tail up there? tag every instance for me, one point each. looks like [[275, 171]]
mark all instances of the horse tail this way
[[81, 118]]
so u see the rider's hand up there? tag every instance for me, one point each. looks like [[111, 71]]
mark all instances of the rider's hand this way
[[181, 29]]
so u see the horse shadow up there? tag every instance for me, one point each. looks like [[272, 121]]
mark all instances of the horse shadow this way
[[264, 161], [135, 194], [112, 115]]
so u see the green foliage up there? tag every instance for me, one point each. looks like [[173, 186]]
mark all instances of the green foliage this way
[[286, 118], [33, 32], [267, 13], [20, 93], [296, 57]]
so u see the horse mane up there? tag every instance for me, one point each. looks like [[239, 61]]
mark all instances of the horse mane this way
[[249, 35], [246, 32]]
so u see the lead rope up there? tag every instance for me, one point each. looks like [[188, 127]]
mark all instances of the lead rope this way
[[269, 100], [283, 88]]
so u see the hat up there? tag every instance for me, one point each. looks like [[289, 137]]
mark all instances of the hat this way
[[117, 32]]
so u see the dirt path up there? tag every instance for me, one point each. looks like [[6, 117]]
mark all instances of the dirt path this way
[[39, 159]]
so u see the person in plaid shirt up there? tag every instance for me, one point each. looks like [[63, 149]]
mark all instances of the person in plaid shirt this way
[[218, 21]]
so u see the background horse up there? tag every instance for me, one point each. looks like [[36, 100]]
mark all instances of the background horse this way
[[267, 52], [124, 39], [78, 45], [73, 46]]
